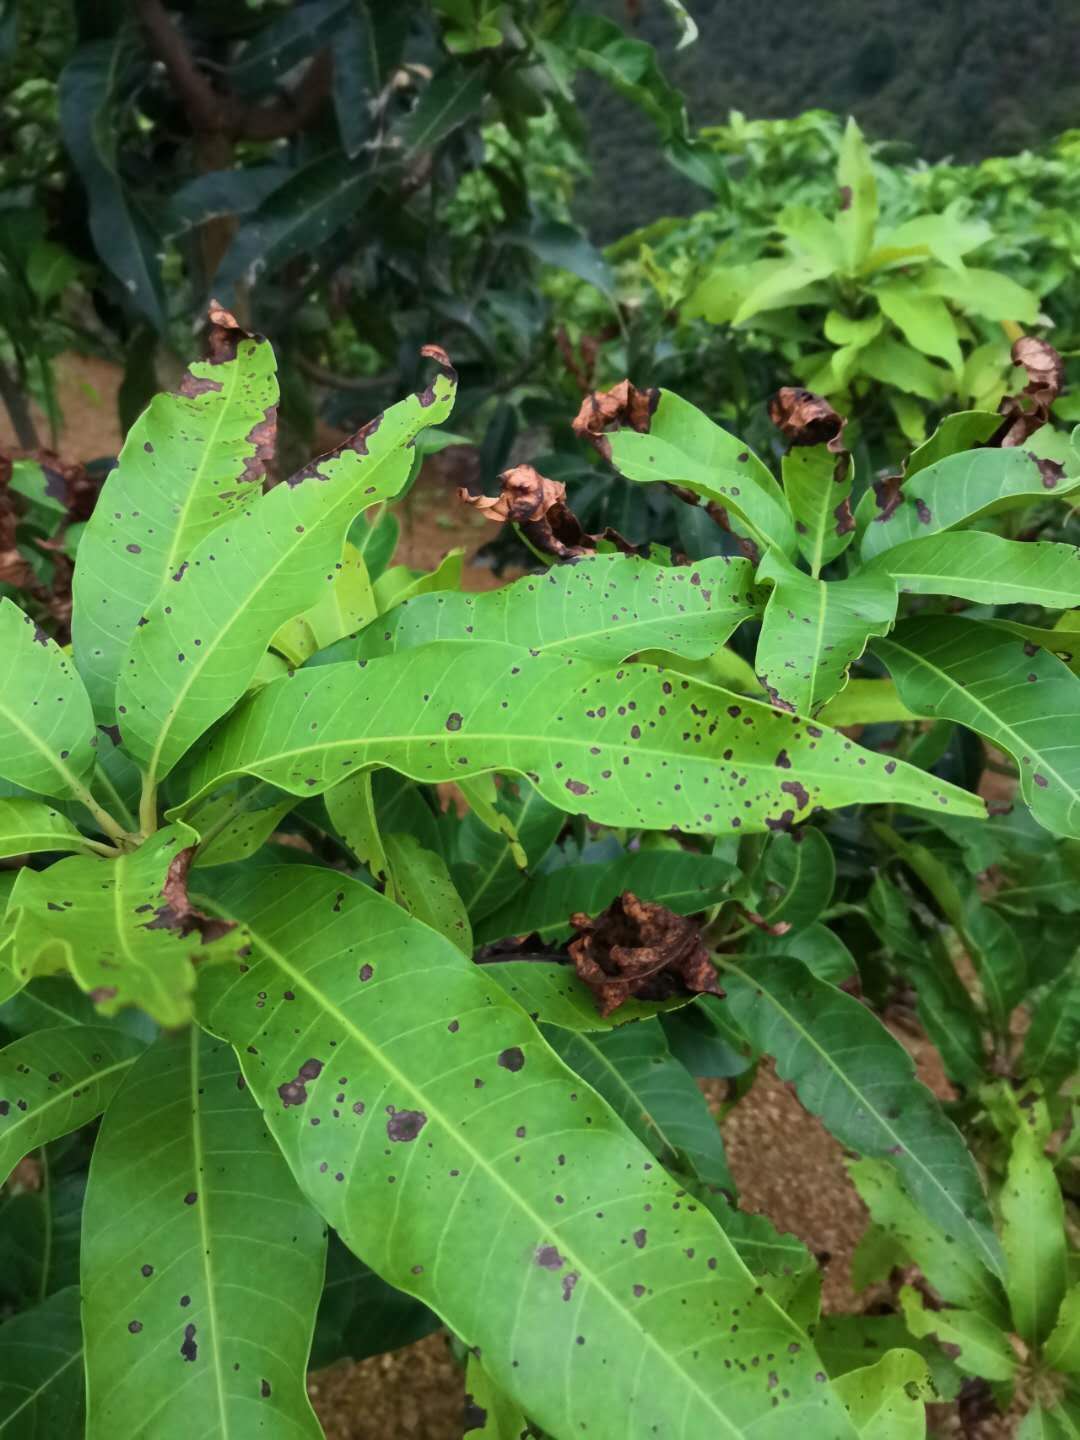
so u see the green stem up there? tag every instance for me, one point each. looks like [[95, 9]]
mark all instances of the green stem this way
[[115, 798], [106, 823], [148, 816]]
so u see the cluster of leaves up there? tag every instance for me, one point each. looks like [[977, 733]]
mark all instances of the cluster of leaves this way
[[302, 993]]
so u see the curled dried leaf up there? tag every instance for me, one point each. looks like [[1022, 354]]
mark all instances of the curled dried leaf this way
[[1030, 409], [178, 913], [623, 405], [538, 505], [804, 418], [638, 948]]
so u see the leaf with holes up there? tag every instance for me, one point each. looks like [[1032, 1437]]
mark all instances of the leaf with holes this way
[[627, 747], [850, 1071], [206, 1279], [989, 680], [462, 1094], [190, 461], [206, 632]]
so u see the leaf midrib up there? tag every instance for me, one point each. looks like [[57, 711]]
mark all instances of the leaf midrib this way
[[199, 1183]]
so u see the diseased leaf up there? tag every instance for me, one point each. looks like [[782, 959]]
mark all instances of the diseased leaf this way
[[813, 630], [603, 608], [984, 568], [983, 677], [41, 1373], [552, 994], [857, 211], [190, 461], [887, 1400], [817, 483], [54, 1080], [489, 1413], [207, 630], [974, 1344], [846, 1342], [848, 1069], [512, 1262], [199, 1287], [30, 826], [628, 747]]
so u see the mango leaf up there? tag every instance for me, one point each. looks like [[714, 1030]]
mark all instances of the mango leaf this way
[[604, 608], [865, 702], [347, 606], [484, 869], [402, 582], [29, 826], [984, 568], [452, 96], [633, 1069], [552, 994], [190, 461], [629, 747], [846, 1342], [1041, 1423], [850, 1071], [946, 237], [984, 292], [208, 629], [784, 285], [1062, 1348], [857, 214], [977, 675], [41, 1372], [957, 489], [212, 1272], [799, 875], [683, 881], [686, 448], [817, 484], [47, 739], [120, 926], [924, 320], [422, 885], [1033, 1227], [235, 824], [813, 630], [516, 1261], [1053, 1037], [974, 1344], [895, 364], [816, 946], [887, 1401], [955, 1274], [52, 1081], [489, 1413]]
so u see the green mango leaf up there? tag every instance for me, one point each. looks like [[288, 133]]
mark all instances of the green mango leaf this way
[[41, 1373], [1033, 1228], [120, 926], [846, 1342], [984, 292], [682, 880], [813, 630], [857, 212], [347, 605], [850, 1071], [200, 1288], [28, 827], [633, 1069], [1053, 1036], [586, 739], [401, 582], [811, 233], [817, 484], [422, 885], [957, 489], [984, 568], [190, 461], [508, 1138], [865, 702], [963, 430], [945, 237], [52, 1081], [924, 320], [604, 608], [799, 875], [684, 447], [453, 95], [783, 286], [898, 365], [975, 1345], [1042, 1424], [207, 630], [552, 994], [764, 1250], [982, 677], [485, 870], [845, 331], [956, 1275], [887, 1400], [47, 739], [351, 808], [238, 822], [816, 946], [489, 1413], [719, 295], [1062, 1348]]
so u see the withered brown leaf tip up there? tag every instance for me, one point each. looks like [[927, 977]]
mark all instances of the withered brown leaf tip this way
[[623, 404], [804, 418], [641, 949], [1030, 409]]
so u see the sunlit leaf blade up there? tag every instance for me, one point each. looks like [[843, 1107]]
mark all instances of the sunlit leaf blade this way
[[987, 679], [683, 881], [817, 484], [206, 632], [812, 630], [111, 923], [629, 747], [46, 729], [959, 488], [552, 994], [1033, 1227], [956, 1275], [636, 1073], [887, 1401], [544, 1191], [202, 1263], [685, 447], [190, 461], [976, 1345], [53, 1081], [41, 1373], [604, 608], [29, 826], [850, 1071], [975, 565]]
